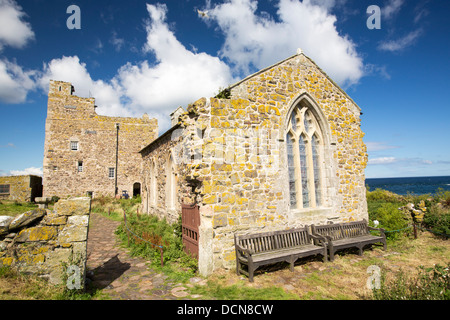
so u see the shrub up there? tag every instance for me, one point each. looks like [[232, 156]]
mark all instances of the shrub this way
[[391, 219], [152, 233], [438, 221], [383, 195], [430, 284]]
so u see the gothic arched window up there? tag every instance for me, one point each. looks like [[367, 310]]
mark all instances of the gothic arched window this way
[[171, 184], [304, 144]]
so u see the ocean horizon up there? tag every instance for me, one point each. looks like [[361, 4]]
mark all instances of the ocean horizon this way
[[412, 185]]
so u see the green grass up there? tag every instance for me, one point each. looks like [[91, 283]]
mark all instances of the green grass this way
[[14, 208], [214, 290]]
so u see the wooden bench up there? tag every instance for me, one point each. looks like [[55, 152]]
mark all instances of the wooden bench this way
[[347, 235], [255, 250]]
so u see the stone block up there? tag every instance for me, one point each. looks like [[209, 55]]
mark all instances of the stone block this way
[[4, 224], [39, 233], [73, 206], [26, 218]]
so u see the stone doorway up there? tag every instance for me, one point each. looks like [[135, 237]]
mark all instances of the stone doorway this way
[[136, 189]]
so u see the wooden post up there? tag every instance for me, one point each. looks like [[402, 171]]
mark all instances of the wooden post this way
[[162, 258], [415, 231]]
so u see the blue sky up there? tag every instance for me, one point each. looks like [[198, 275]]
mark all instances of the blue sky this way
[[150, 57]]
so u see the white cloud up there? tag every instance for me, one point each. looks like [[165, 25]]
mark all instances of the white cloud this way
[[257, 41], [14, 31], [400, 162], [8, 145], [27, 171], [382, 160], [14, 82], [378, 146], [179, 77], [70, 69], [402, 43], [391, 9], [117, 42]]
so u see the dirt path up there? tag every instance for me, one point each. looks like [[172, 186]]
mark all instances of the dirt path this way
[[111, 268]]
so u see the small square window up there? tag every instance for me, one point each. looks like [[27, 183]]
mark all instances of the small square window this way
[[80, 166], [74, 145], [111, 172], [4, 188]]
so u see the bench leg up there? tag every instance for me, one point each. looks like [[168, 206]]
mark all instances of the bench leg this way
[[251, 270], [360, 250], [238, 267], [250, 274], [291, 264]]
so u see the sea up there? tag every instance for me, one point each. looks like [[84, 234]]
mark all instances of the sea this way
[[411, 185]]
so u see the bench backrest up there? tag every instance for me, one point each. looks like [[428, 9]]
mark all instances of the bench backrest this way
[[338, 231], [269, 241]]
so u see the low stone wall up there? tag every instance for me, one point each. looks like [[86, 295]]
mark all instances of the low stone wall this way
[[48, 243]]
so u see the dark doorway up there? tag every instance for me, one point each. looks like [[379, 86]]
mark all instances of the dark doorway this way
[[136, 189]]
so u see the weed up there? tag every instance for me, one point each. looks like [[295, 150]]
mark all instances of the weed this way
[[430, 284]]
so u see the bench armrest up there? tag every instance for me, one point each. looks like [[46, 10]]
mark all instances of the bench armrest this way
[[381, 230], [246, 252], [319, 238]]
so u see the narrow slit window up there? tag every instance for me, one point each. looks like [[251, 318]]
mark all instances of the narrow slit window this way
[[291, 171], [80, 166]]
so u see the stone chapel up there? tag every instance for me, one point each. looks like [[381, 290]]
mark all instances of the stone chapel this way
[[279, 149]]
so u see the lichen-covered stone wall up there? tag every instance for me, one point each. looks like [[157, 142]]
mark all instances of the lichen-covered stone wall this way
[[72, 118], [235, 160], [45, 242]]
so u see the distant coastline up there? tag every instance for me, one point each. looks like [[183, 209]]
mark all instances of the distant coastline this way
[[413, 185]]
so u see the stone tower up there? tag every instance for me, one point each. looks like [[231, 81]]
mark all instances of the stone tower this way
[[89, 154]]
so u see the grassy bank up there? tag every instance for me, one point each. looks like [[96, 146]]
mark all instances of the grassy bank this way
[[409, 269]]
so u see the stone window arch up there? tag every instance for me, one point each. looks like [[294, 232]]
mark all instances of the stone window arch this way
[[305, 155], [153, 185], [171, 189]]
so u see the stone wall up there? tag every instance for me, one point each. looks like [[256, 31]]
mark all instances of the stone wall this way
[[22, 188], [157, 157], [44, 242], [234, 158], [72, 118]]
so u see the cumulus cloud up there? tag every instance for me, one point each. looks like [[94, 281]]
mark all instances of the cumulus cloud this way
[[70, 69], [254, 41], [32, 171], [177, 78], [14, 31], [15, 82]]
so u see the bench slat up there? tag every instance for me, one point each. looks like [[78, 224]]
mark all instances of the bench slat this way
[[258, 249], [349, 234]]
